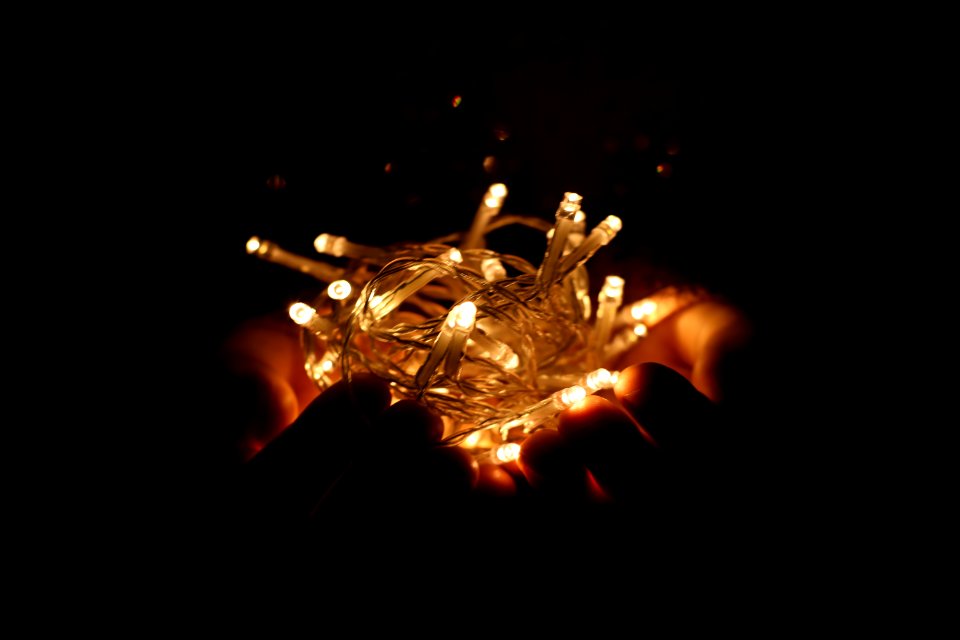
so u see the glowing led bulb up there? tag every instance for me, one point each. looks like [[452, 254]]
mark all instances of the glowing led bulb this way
[[463, 316], [339, 246], [497, 190], [558, 240], [450, 343], [330, 244], [492, 202], [601, 235], [454, 255], [613, 225], [536, 414], [308, 318], [339, 289], [613, 288], [507, 452], [572, 395], [640, 330], [642, 309], [493, 269], [609, 300], [576, 235], [599, 379], [472, 440], [302, 313], [270, 252]]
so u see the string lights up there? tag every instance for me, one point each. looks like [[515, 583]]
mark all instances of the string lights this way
[[497, 346]]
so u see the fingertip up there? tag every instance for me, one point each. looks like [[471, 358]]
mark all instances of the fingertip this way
[[361, 399], [594, 416], [408, 423], [494, 481], [549, 465], [612, 446], [664, 402], [642, 383], [367, 392], [447, 471], [256, 406]]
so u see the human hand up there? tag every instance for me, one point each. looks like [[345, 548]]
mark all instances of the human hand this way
[[351, 449], [700, 341], [664, 425]]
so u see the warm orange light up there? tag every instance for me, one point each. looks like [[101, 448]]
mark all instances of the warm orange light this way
[[302, 313], [643, 309], [508, 452], [339, 289]]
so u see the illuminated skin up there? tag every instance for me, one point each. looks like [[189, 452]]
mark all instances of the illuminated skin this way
[[694, 343]]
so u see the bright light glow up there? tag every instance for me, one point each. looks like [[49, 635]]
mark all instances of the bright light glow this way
[[508, 452], [599, 379], [321, 242], [302, 313], [330, 244], [410, 313], [572, 395], [643, 309], [339, 289], [462, 316], [471, 440], [493, 269], [613, 287]]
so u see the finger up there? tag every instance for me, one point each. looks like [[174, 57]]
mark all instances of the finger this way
[[408, 424], [495, 482], [696, 341], [550, 466], [618, 453], [270, 346], [702, 449], [252, 409], [678, 417], [297, 468], [432, 478]]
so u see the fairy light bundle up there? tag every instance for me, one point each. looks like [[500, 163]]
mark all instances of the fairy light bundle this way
[[494, 344]]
